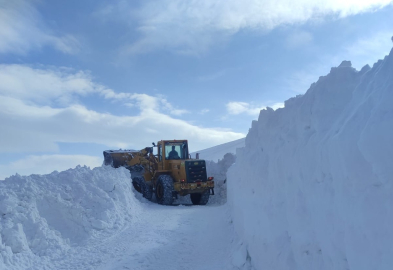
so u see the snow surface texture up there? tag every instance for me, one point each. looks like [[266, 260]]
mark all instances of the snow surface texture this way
[[44, 216], [216, 153], [94, 220], [312, 189]]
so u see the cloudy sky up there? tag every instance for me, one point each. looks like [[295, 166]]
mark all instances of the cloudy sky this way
[[80, 77]]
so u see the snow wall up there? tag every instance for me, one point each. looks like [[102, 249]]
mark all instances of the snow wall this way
[[312, 188], [42, 216]]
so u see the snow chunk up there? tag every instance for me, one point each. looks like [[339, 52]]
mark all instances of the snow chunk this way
[[15, 238], [7, 204]]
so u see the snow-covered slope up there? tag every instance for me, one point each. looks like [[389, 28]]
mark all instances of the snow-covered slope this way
[[313, 187], [92, 219], [217, 152], [44, 216]]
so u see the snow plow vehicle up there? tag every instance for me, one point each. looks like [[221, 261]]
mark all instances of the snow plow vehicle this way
[[167, 174]]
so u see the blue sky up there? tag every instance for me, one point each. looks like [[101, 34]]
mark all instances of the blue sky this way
[[80, 77]]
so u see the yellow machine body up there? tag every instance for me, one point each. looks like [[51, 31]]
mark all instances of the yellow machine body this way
[[189, 175]]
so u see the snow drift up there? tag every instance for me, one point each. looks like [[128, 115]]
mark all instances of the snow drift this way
[[313, 189], [42, 216]]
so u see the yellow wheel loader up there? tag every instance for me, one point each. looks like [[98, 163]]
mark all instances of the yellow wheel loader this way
[[167, 174]]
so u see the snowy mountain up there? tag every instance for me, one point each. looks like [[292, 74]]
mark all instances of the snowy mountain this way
[[312, 189]]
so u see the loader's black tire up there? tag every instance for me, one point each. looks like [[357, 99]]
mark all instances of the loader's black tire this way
[[138, 183], [200, 198], [147, 191], [164, 190]]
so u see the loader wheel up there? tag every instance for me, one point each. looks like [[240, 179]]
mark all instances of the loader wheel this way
[[147, 191], [200, 198], [164, 188], [138, 183]]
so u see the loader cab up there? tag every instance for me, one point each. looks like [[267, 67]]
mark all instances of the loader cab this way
[[172, 150]]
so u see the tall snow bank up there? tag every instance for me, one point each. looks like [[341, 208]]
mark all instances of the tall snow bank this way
[[43, 215], [313, 187]]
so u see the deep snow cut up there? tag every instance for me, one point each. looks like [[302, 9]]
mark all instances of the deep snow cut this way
[[312, 188], [43, 216]]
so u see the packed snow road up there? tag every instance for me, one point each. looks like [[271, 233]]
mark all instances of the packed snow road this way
[[164, 237]]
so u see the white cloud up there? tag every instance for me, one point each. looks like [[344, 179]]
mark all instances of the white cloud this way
[[32, 124], [299, 39], [193, 26], [238, 107], [22, 29], [45, 86], [241, 107], [145, 102], [171, 109], [45, 164], [63, 87]]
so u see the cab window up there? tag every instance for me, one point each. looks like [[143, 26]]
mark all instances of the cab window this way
[[173, 152], [176, 150]]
